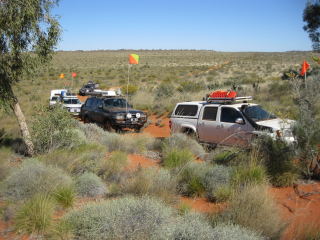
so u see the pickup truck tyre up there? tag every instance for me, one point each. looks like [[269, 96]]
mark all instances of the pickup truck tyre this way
[[191, 134], [107, 127], [86, 119], [139, 129]]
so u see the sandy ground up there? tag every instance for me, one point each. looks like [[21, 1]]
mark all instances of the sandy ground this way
[[299, 204]]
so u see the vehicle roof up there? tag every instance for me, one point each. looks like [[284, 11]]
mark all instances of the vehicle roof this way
[[236, 105]]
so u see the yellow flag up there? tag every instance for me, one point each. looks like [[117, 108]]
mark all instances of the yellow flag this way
[[61, 75]]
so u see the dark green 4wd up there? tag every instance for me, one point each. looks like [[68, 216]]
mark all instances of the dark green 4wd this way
[[112, 112]]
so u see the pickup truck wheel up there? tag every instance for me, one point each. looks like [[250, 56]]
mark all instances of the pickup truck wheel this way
[[86, 119], [139, 129], [108, 127]]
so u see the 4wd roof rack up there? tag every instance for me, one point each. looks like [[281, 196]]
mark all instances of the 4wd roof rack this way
[[226, 97], [103, 94]]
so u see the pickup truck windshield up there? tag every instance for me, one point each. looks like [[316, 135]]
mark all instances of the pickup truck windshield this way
[[258, 113], [115, 103]]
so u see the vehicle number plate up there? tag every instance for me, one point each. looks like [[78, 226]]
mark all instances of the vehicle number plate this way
[[134, 119]]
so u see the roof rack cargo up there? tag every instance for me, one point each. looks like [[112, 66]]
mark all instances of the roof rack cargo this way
[[102, 93], [226, 97]]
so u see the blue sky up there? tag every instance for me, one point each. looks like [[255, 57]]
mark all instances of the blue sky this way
[[220, 25]]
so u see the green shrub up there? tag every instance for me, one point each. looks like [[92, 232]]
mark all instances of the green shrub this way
[[31, 178], [244, 174], [252, 207], [224, 231], [161, 183], [222, 193], [35, 216], [116, 163], [177, 158], [90, 185], [65, 196], [5, 157], [52, 128], [126, 218]]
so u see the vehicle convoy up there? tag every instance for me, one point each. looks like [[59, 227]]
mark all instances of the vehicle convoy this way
[[89, 87], [227, 119], [56, 96], [112, 111], [72, 103]]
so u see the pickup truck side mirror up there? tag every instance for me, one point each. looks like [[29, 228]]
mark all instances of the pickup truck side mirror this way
[[239, 121]]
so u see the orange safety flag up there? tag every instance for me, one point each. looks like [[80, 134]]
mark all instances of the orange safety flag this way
[[61, 75], [305, 67], [133, 58], [74, 74], [67, 83]]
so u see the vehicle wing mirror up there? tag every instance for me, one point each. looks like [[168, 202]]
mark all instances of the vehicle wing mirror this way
[[99, 106], [131, 106], [239, 121]]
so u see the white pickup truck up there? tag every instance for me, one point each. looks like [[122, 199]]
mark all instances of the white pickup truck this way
[[228, 121]]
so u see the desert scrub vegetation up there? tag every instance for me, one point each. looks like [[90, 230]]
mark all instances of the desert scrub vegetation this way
[[90, 185], [146, 218], [33, 177]]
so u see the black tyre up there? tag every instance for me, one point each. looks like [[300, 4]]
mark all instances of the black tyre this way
[[86, 120], [108, 127]]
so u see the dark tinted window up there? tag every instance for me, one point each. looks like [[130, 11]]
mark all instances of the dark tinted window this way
[[94, 103], [88, 102], [186, 110], [229, 115], [99, 102], [210, 113]]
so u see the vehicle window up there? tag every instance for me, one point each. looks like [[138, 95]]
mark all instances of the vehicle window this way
[[67, 101], [109, 103], [94, 103], [210, 113], [229, 115], [75, 101], [88, 102], [258, 113], [99, 102], [54, 98], [186, 110]]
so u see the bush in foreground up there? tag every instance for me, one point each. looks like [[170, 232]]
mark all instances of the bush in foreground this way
[[90, 185]]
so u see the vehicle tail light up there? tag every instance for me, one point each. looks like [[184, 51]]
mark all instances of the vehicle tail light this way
[[279, 133], [170, 124]]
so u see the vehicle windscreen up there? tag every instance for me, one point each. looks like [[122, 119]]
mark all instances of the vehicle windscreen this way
[[87, 86], [115, 103], [258, 113], [54, 98], [71, 101]]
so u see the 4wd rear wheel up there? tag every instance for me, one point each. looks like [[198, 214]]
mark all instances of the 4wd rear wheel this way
[[107, 127], [86, 119]]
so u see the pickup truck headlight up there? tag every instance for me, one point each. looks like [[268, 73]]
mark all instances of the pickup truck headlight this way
[[138, 115], [119, 117], [129, 115]]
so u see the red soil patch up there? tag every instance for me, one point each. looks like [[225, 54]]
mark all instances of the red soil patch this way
[[299, 204], [137, 161], [157, 131]]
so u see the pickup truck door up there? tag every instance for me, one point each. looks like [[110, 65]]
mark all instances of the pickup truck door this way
[[229, 132], [208, 125], [96, 112]]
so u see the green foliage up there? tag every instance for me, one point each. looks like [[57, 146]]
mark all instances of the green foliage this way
[[278, 158], [311, 18], [164, 90], [177, 158], [24, 43], [244, 174], [189, 86], [253, 208], [35, 216], [31, 178], [131, 89], [65, 196], [116, 163], [161, 183], [90, 185], [53, 128], [226, 231], [5, 157], [129, 217]]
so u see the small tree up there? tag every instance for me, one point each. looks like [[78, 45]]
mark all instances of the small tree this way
[[28, 35]]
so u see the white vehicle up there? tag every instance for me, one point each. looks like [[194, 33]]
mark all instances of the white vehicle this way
[[56, 95], [72, 103], [228, 121]]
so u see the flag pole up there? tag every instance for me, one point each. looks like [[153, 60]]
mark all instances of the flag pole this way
[[127, 86], [305, 78]]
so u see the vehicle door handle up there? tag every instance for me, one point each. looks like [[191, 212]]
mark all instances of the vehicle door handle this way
[[220, 126], [202, 123]]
